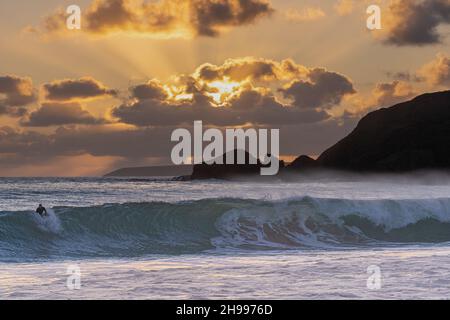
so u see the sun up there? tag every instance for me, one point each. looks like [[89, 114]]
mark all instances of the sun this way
[[222, 88]]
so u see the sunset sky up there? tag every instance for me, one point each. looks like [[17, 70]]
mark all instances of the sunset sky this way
[[84, 102]]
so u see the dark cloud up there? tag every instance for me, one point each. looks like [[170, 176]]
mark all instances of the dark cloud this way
[[170, 18], [95, 141], [249, 106], [323, 89], [416, 22], [15, 94], [110, 14], [83, 88], [150, 90], [209, 16], [264, 109], [160, 113], [53, 114]]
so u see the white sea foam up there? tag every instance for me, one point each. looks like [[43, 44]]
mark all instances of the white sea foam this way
[[49, 223]]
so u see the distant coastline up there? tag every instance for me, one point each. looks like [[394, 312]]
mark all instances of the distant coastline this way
[[152, 171]]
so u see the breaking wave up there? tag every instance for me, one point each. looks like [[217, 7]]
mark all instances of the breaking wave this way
[[217, 225]]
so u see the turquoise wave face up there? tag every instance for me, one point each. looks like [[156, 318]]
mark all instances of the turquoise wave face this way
[[220, 225]]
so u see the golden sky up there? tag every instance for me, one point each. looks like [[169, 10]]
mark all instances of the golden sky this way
[[82, 102]]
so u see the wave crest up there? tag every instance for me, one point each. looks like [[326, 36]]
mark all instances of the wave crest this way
[[137, 229]]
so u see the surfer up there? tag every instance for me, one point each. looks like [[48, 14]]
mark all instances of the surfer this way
[[41, 210]]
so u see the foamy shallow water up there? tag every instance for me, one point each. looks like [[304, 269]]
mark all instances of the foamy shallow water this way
[[414, 273]]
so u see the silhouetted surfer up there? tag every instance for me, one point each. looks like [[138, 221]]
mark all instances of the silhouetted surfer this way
[[41, 210]]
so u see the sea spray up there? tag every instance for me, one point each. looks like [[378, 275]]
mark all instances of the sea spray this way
[[48, 223]]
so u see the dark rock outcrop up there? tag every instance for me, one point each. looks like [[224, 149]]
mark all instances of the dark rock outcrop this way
[[303, 163], [229, 171], [409, 136]]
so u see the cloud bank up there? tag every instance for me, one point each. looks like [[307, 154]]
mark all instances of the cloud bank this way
[[163, 18], [76, 89], [238, 92], [416, 22], [15, 94], [56, 114]]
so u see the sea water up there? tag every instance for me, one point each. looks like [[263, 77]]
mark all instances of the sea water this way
[[325, 237]]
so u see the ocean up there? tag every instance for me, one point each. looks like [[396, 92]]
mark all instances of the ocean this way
[[324, 237]]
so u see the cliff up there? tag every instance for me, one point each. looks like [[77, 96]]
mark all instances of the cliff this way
[[409, 136]]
